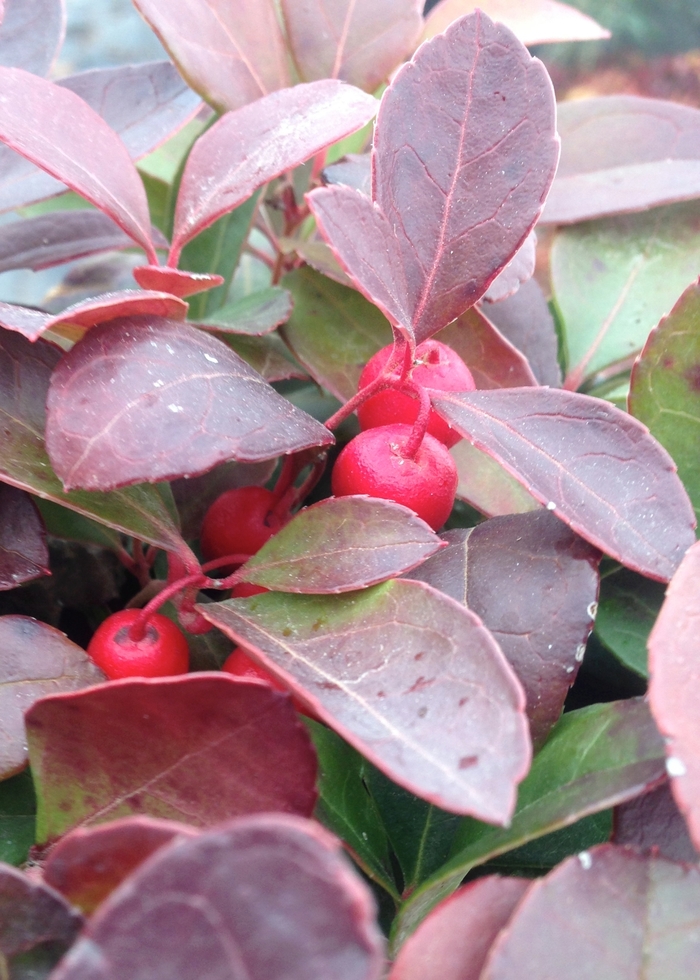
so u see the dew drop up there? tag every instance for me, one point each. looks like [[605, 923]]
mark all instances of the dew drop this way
[[551, 505], [592, 610], [586, 860], [675, 767], [580, 651]]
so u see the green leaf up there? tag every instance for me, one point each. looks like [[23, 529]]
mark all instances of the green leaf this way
[[541, 855], [486, 486], [17, 817], [256, 314], [72, 526], [627, 610], [614, 279]]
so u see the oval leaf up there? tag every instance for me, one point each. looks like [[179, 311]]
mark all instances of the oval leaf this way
[[141, 746], [175, 281], [254, 315], [406, 675], [596, 467], [23, 552], [31, 34], [493, 361], [532, 21], [265, 898], [151, 399]]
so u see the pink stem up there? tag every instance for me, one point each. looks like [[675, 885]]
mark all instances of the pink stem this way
[[420, 426], [137, 630]]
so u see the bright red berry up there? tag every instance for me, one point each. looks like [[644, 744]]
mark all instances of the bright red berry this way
[[436, 366], [239, 522], [372, 463], [162, 652]]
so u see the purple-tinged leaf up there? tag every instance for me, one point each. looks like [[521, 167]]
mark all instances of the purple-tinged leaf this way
[[141, 746], [33, 917], [358, 41], [341, 544], [254, 315], [605, 913], [454, 941], [147, 399], [23, 552], [486, 486], [35, 660], [175, 281], [409, 677], [87, 155], [320, 257], [195, 495], [247, 148], [673, 649], [520, 269], [354, 170], [493, 361], [532, 21], [260, 898], [534, 585], [653, 824], [623, 153], [31, 34], [231, 54], [595, 466], [90, 862], [525, 320]]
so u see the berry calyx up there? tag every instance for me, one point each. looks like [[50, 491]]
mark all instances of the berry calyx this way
[[161, 652], [435, 366], [239, 522], [373, 463]]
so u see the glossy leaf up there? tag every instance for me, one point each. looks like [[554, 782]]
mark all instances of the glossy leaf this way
[[341, 544], [254, 315], [358, 42], [410, 678], [231, 54], [673, 646], [454, 941], [665, 388], [88, 155], [534, 585], [140, 747], [493, 361], [634, 917], [486, 486], [520, 269], [245, 149], [628, 607], [23, 552], [175, 281], [266, 898], [623, 153], [653, 824], [35, 660], [614, 279], [532, 21], [151, 399], [31, 34], [595, 466], [594, 758], [87, 864]]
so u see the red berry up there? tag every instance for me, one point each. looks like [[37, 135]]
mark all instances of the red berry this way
[[162, 652], [239, 522], [372, 463], [436, 366], [240, 664]]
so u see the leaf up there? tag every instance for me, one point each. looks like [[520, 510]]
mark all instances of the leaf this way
[[469, 206], [68, 524], [627, 611], [31, 34], [358, 42], [653, 824], [174, 281], [534, 585], [245, 149], [35, 660], [254, 315], [23, 552], [520, 269], [486, 486], [230, 54], [493, 361], [673, 647], [407, 676], [141, 746], [454, 941], [87, 155], [623, 153], [635, 917], [341, 544], [594, 758], [615, 278], [665, 388], [595, 466], [267, 355], [354, 170], [532, 21], [266, 898], [332, 330], [17, 817], [87, 864], [151, 399]]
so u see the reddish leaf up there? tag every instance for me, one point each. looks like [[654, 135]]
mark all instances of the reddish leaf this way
[[532, 21], [406, 675], [265, 898], [231, 54], [341, 544], [142, 746], [454, 941], [608, 912], [594, 465], [354, 170], [493, 361], [623, 153], [90, 862], [673, 651], [520, 269], [35, 660], [23, 552], [653, 824], [251, 146], [32, 916], [175, 281], [534, 584], [31, 34], [359, 42], [151, 399]]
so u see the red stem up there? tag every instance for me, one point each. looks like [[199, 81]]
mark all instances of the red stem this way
[[138, 628], [401, 354], [420, 426]]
